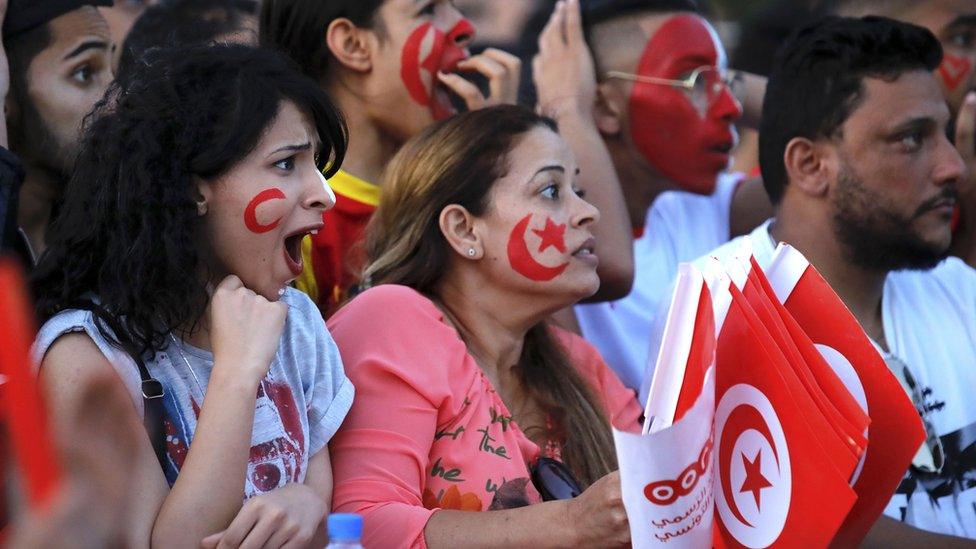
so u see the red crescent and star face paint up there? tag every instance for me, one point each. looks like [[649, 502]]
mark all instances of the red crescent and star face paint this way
[[687, 143], [427, 51], [521, 259], [250, 212]]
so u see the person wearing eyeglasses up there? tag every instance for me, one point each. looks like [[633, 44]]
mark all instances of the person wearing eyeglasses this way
[[666, 110], [466, 398]]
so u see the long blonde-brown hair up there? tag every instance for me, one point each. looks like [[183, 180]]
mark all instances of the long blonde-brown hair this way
[[457, 161]]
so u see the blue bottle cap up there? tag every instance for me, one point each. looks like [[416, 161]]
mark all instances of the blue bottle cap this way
[[345, 527]]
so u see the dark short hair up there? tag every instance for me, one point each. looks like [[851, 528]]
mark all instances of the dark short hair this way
[[597, 11], [297, 28], [816, 81], [183, 23], [20, 53], [128, 231]]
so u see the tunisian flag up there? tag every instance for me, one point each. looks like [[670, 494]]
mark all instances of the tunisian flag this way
[[896, 431], [776, 481]]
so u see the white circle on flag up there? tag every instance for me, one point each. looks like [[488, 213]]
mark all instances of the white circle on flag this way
[[848, 376], [759, 468]]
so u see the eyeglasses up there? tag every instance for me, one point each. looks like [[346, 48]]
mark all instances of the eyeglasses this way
[[553, 480], [705, 82]]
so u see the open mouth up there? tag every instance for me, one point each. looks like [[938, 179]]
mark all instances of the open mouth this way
[[441, 103], [586, 249], [293, 248], [722, 148]]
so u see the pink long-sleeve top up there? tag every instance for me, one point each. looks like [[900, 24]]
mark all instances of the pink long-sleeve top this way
[[427, 430]]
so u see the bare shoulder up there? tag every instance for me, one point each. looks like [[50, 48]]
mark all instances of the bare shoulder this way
[[70, 363]]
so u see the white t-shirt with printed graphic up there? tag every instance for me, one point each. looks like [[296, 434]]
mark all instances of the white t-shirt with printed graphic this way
[[930, 325], [300, 403], [679, 226]]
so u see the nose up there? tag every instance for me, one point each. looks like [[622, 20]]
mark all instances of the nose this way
[[318, 194], [585, 213], [726, 108], [463, 32], [950, 169]]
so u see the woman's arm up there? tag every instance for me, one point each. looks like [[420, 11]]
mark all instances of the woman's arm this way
[[596, 518], [71, 365]]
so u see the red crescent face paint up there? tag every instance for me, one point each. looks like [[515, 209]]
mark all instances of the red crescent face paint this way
[[427, 51], [520, 258], [250, 212], [954, 70], [682, 141]]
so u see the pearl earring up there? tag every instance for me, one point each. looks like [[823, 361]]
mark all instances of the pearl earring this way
[[471, 252]]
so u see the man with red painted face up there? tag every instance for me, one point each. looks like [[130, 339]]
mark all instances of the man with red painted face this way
[[60, 65], [392, 66], [865, 181], [666, 114], [953, 22]]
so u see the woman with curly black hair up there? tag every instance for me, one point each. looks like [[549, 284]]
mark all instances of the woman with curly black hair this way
[[200, 174]]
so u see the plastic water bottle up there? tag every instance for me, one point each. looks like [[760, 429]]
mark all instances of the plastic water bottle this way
[[345, 531]]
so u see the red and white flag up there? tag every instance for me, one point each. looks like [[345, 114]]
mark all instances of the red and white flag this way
[[776, 482], [896, 431]]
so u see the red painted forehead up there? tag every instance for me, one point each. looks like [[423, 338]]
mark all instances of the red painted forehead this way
[[682, 44]]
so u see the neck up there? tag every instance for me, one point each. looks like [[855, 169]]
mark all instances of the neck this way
[[640, 184], [41, 189], [812, 234], [370, 147], [492, 329]]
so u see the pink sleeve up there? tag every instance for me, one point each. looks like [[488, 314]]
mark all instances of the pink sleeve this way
[[380, 454], [619, 402]]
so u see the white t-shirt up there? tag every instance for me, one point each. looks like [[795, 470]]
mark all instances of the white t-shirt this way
[[300, 403], [930, 324], [680, 226]]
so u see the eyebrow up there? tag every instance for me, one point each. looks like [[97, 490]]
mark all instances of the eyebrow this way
[[552, 168], [301, 147], [967, 20], [89, 45], [926, 123]]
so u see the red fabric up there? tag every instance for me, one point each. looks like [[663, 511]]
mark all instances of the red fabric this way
[[896, 430], [801, 498], [337, 252]]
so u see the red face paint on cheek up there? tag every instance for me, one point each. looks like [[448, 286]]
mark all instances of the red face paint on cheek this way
[[520, 258], [250, 212], [954, 70], [668, 130], [426, 51]]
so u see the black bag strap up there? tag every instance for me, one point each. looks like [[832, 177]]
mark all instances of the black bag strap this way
[[152, 389]]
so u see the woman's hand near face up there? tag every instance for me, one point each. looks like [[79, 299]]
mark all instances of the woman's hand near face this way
[[287, 517], [245, 329], [598, 514], [503, 71]]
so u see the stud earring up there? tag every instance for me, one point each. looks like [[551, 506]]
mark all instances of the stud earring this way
[[471, 252], [201, 207]]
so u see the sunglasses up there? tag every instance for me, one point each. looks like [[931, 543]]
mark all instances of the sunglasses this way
[[553, 480]]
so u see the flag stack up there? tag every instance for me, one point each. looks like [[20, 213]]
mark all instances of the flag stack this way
[[771, 418]]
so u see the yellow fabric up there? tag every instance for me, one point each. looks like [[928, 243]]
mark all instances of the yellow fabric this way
[[306, 281], [350, 186]]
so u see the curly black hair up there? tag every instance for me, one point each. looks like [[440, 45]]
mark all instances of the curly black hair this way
[[128, 233]]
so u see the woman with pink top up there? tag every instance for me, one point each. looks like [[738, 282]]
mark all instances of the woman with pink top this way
[[467, 400]]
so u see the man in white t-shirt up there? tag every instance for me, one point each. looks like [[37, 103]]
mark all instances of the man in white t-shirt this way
[[865, 181], [670, 146]]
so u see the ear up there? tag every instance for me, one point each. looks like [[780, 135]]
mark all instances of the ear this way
[[203, 195], [808, 165], [609, 109], [352, 46], [457, 226]]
